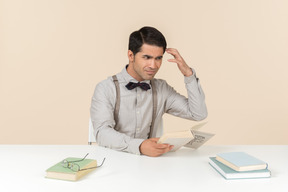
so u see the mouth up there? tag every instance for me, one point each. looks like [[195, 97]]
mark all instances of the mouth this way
[[151, 72]]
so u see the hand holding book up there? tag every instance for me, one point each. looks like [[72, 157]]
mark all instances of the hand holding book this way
[[191, 138]]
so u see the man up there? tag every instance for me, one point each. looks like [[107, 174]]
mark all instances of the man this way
[[131, 132]]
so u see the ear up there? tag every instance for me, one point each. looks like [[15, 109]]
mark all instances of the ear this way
[[130, 56]]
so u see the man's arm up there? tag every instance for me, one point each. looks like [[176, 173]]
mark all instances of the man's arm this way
[[102, 116], [193, 107]]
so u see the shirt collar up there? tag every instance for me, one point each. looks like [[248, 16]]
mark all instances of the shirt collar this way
[[128, 78]]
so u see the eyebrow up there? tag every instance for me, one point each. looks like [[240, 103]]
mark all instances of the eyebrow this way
[[149, 56], [159, 57]]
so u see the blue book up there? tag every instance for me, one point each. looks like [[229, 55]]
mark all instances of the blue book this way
[[241, 161], [229, 173]]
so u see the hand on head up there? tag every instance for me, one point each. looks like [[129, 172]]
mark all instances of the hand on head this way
[[183, 67]]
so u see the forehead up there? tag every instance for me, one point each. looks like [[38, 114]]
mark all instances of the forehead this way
[[152, 50]]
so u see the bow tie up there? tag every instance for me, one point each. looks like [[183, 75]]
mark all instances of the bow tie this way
[[144, 86]]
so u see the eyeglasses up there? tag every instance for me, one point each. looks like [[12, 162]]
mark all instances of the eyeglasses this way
[[75, 167]]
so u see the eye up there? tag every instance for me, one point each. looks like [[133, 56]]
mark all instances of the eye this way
[[159, 58], [146, 57]]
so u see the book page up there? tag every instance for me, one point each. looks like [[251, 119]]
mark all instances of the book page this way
[[177, 142], [199, 139]]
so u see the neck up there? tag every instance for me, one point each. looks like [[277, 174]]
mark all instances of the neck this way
[[133, 74]]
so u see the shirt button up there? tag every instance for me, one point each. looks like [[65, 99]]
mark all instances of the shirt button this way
[[138, 112]]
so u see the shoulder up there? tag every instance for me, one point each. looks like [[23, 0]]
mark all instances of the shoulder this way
[[105, 82], [164, 88], [106, 87], [161, 84]]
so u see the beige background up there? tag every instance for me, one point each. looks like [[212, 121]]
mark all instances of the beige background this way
[[54, 52]]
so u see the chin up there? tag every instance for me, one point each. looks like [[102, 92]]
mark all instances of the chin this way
[[149, 77]]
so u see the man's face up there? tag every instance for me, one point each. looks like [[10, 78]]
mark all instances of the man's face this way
[[146, 63]]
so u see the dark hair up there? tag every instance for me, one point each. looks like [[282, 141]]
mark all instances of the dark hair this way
[[147, 35]]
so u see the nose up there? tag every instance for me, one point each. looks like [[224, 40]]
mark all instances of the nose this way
[[153, 64]]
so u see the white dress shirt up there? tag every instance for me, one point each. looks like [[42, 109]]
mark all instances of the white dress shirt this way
[[135, 113]]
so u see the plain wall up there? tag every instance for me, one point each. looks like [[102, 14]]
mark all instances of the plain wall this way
[[54, 52]]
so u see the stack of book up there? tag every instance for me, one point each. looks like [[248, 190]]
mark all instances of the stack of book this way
[[239, 165]]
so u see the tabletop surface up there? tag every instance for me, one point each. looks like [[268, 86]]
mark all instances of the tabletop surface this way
[[24, 166]]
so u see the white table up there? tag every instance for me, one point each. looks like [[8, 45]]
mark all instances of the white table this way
[[23, 169]]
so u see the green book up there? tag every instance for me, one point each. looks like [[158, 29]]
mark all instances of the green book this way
[[229, 173], [58, 171]]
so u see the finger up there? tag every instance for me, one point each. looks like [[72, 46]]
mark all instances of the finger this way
[[173, 60], [176, 56], [154, 139], [162, 151], [162, 146], [173, 51]]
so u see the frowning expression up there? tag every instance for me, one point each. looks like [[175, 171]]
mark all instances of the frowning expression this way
[[145, 64]]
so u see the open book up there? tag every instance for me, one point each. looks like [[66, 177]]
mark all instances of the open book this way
[[189, 138]]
